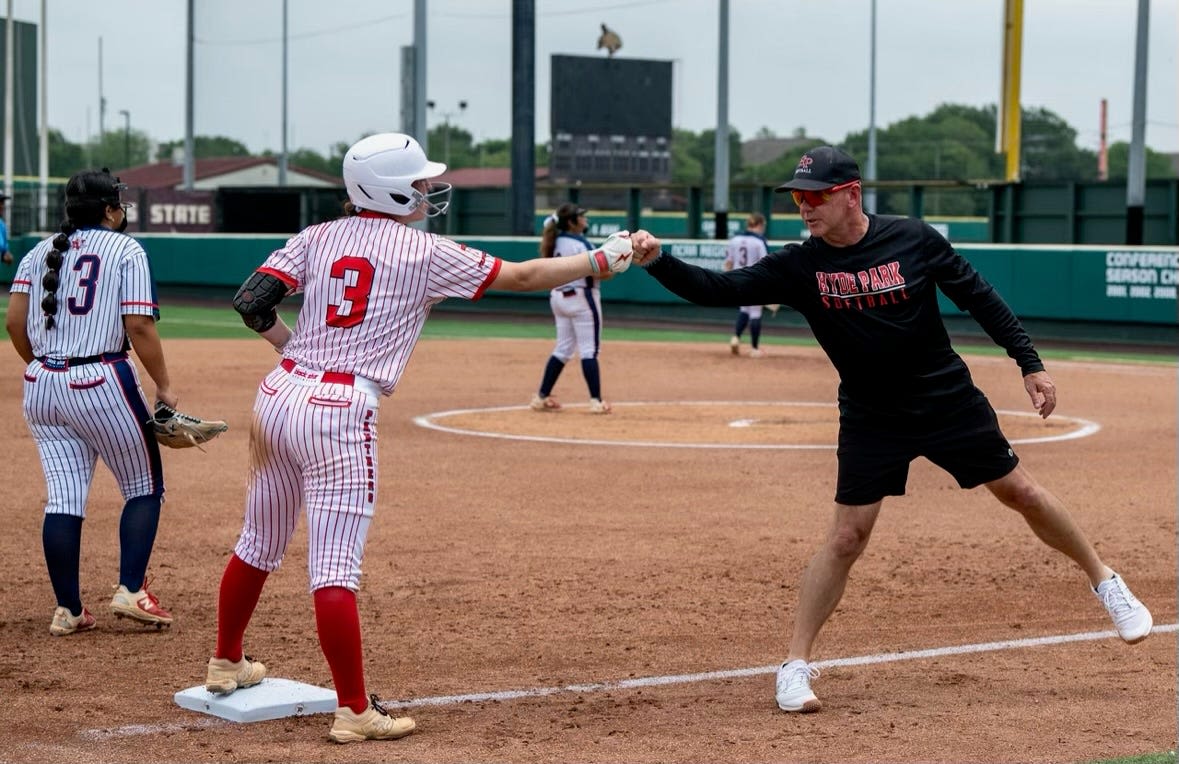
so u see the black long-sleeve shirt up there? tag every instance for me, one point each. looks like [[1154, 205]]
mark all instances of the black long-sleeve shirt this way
[[873, 308]]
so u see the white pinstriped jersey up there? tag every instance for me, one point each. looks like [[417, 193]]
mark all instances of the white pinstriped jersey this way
[[104, 276], [368, 284], [569, 244]]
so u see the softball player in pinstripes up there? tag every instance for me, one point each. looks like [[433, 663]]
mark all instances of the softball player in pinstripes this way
[[369, 281], [79, 301], [577, 309]]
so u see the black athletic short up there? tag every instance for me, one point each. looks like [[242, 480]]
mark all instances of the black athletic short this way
[[874, 455]]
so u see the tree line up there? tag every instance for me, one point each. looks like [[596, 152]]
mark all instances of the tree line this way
[[953, 142]]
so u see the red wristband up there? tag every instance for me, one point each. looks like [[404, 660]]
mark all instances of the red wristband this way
[[599, 262]]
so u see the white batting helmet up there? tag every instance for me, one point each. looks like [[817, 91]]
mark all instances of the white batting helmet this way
[[380, 170]]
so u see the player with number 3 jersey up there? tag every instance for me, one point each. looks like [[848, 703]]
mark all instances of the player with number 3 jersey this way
[[368, 282], [80, 300]]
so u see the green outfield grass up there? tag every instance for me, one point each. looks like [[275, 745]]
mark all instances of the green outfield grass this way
[[202, 322], [1150, 758]]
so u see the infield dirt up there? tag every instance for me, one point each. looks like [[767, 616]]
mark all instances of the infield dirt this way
[[497, 564]]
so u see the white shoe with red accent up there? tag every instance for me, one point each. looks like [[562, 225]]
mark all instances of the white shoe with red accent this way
[[65, 622], [547, 403], [599, 406], [140, 606]]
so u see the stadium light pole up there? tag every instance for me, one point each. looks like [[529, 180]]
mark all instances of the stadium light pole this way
[[1136, 161], [282, 157], [870, 193], [43, 128], [126, 138], [720, 185]]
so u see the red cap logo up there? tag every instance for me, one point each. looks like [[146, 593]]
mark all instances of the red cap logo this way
[[805, 162]]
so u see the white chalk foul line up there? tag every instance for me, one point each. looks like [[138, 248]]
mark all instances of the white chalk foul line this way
[[133, 730], [1084, 427], [710, 676]]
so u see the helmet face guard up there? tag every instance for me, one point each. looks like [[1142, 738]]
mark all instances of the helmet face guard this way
[[436, 201], [380, 173]]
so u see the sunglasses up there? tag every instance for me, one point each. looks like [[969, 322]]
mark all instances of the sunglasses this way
[[816, 198]]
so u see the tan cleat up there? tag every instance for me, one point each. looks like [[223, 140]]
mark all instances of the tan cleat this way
[[735, 345], [375, 723], [65, 622], [224, 676], [140, 606]]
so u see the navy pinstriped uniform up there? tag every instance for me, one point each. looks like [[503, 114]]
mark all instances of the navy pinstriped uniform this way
[[82, 396], [577, 306]]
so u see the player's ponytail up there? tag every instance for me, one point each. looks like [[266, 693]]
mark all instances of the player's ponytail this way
[[52, 278], [548, 237], [557, 223]]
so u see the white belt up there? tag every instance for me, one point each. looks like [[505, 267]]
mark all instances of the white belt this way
[[308, 375]]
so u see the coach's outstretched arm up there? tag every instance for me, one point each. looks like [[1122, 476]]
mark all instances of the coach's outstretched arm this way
[[256, 302]]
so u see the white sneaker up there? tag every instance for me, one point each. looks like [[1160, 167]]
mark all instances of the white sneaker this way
[[1130, 617], [547, 403], [755, 353], [735, 345], [794, 687], [599, 406]]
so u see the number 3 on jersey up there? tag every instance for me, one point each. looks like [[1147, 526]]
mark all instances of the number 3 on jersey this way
[[356, 273]]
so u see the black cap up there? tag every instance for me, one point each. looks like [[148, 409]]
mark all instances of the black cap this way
[[820, 169], [569, 211]]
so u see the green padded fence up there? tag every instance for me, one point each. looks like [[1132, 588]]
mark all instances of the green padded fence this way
[[1068, 282]]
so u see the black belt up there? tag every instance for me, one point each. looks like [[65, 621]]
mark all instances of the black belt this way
[[65, 363]]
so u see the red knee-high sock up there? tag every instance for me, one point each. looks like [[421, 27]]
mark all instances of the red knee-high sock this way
[[241, 585], [338, 623]]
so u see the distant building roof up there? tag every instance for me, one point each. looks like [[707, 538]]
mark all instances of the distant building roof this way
[[233, 170], [485, 177]]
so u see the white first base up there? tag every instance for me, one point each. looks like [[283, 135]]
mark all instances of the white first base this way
[[270, 699]]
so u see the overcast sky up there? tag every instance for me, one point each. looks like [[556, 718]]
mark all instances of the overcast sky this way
[[793, 63]]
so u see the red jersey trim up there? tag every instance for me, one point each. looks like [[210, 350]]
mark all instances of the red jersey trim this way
[[378, 215], [149, 304], [22, 282], [487, 281], [284, 278]]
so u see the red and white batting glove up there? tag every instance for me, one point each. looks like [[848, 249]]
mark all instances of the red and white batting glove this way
[[614, 256]]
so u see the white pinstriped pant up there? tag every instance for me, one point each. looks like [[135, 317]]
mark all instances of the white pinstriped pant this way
[[579, 322], [313, 445], [84, 412]]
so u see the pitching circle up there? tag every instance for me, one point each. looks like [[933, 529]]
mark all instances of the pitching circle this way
[[785, 424]]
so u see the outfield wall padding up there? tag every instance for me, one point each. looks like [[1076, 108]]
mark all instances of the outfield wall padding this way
[[1066, 282]]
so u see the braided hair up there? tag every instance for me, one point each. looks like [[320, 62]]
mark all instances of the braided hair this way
[[88, 195], [556, 223]]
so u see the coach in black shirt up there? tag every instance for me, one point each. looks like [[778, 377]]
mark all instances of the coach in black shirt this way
[[867, 285]]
